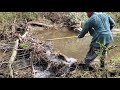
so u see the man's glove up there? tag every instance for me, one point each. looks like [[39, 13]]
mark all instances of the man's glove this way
[[80, 36]]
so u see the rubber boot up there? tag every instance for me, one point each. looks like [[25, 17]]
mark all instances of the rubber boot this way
[[86, 67]]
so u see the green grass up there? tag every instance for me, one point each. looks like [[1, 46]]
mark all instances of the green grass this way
[[23, 46]]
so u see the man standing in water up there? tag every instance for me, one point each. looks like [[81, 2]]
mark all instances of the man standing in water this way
[[99, 25]]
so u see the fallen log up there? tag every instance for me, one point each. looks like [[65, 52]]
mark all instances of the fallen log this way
[[14, 54], [39, 24]]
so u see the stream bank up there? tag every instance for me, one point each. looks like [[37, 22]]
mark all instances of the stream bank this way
[[37, 58]]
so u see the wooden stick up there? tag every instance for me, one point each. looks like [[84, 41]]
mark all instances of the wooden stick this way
[[24, 34], [61, 38], [32, 65], [112, 47], [13, 26], [71, 37], [65, 38], [14, 53]]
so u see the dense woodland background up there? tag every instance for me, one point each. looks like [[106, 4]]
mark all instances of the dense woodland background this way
[[6, 18]]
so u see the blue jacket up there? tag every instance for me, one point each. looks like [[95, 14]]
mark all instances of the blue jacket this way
[[99, 25]]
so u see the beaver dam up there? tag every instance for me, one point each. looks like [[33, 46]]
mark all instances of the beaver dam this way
[[31, 55]]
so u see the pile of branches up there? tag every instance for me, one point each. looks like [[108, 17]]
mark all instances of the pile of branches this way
[[45, 58]]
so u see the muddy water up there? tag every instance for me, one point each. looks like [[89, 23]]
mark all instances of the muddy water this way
[[73, 47]]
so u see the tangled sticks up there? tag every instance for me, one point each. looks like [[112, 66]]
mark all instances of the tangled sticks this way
[[46, 59]]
